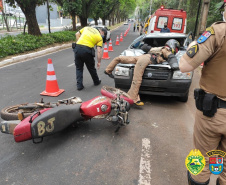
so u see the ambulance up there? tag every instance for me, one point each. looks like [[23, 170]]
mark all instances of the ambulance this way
[[176, 20]]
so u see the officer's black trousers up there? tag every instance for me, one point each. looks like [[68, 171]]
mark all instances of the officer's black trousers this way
[[84, 55]]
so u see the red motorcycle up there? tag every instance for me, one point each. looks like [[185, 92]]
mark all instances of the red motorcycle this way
[[38, 120]]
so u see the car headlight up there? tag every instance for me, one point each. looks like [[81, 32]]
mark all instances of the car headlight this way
[[180, 75], [121, 71]]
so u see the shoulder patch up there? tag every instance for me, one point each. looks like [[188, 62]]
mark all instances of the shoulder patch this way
[[209, 31], [192, 51]]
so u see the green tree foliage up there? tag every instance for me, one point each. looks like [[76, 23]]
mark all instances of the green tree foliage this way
[[215, 12], [71, 7], [126, 8], [102, 9], [28, 8]]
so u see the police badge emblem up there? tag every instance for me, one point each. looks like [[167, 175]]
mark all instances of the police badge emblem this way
[[216, 163], [195, 162], [209, 31]]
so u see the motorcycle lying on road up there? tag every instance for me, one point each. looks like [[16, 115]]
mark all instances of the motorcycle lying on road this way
[[37, 120]]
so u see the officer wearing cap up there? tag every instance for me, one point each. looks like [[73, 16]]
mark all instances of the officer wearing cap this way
[[84, 52], [210, 120]]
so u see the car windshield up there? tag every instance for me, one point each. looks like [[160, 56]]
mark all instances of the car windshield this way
[[157, 42], [154, 42]]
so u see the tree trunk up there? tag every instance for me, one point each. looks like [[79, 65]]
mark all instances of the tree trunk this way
[[73, 22], [48, 15], [83, 21], [103, 21], [109, 22], [113, 21], [29, 12], [5, 19], [25, 27]]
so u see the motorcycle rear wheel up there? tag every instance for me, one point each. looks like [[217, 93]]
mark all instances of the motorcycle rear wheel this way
[[111, 92], [11, 112]]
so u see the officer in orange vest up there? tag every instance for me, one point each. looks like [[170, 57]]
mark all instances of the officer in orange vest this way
[[210, 120]]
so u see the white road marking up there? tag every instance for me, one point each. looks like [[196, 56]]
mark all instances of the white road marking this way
[[145, 164], [71, 65]]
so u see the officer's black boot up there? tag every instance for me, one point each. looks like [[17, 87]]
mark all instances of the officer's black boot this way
[[193, 182], [217, 183]]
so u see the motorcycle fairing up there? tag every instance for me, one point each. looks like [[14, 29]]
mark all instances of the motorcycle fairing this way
[[22, 131]]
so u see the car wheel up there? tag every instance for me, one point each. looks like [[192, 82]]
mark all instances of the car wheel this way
[[183, 98]]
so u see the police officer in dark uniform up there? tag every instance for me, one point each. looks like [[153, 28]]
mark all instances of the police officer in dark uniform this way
[[210, 120], [84, 52]]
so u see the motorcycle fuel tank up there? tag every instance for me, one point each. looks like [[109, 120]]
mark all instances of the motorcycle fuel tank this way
[[97, 106]]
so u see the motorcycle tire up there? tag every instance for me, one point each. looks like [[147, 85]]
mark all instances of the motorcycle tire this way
[[11, 112], [111, 92]]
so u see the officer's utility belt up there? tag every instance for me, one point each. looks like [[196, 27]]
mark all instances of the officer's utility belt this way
[[86, 47], [207, 103], [82, 46]]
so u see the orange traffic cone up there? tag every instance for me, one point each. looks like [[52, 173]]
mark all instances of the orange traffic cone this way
[[117, 41], [121, 38], [105, 55], [52, 88], [127, 32], [110, 48]]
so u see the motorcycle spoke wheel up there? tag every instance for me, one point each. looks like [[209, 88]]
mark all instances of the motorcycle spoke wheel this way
[[11, 112]]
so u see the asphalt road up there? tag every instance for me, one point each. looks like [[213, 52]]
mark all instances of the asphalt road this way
[[151, 150]]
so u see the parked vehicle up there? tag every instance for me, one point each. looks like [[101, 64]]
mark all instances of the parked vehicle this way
[[176, 20], [37, 120], [108, 30], [158, 79]]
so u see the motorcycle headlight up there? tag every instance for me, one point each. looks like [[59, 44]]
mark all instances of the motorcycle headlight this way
[[121, 71], [180, 75]]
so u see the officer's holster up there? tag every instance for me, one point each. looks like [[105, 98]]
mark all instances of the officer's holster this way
[[206, 102], [193, 182]]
